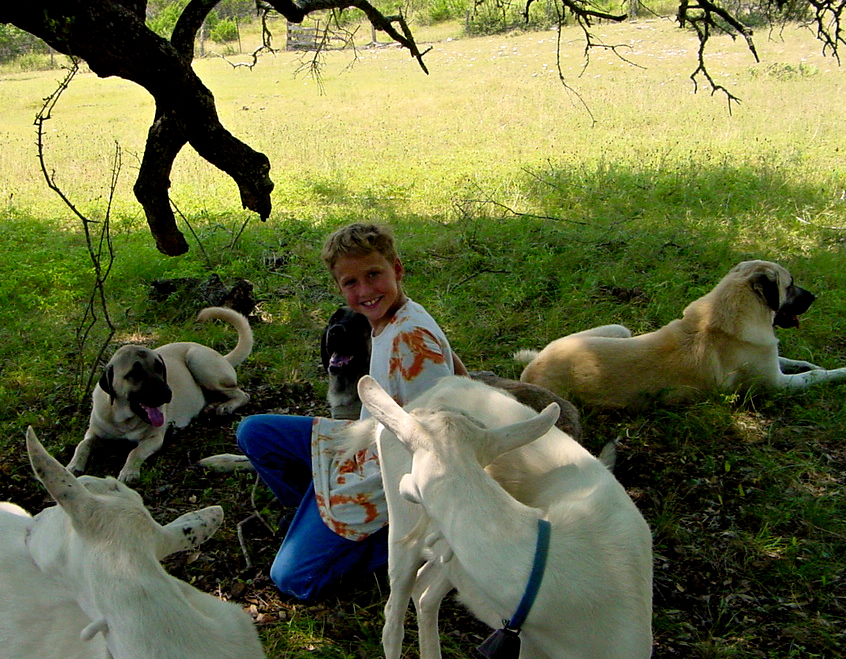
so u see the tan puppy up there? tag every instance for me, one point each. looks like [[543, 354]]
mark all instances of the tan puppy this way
[[723, 341], [144, 391]]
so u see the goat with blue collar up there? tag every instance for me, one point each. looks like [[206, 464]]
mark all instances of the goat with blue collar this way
[[583, 592]]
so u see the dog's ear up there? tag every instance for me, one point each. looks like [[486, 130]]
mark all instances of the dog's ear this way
[[765, 285], [164, 368], [107, 382]]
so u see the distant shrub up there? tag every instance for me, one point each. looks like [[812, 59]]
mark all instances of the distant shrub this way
[[223, 31], [438, 11], [655, 8], [759, 14], [163, 21], [36, 62], [15, 43], [506, 15], [781, 71]]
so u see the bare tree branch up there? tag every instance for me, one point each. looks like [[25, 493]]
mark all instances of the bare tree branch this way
[[102, 255], [297, 11], [828, 23]]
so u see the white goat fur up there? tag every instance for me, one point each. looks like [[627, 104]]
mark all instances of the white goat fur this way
[[595, 599], [83, 580]]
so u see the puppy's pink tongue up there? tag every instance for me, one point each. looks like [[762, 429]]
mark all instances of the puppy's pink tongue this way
[[339, 360], [155, 415]]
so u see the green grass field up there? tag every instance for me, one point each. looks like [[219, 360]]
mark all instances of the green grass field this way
[[521, 217]]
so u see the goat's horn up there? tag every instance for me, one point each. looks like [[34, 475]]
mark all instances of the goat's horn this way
[[507, 438], [386, 410], [60, 483]]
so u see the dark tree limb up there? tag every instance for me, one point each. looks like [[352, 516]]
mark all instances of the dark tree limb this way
[[112, 38], [165, 140], [185, 106], [297, 11], [828, 23]]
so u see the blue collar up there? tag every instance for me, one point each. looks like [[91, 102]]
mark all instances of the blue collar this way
[[535, 578]]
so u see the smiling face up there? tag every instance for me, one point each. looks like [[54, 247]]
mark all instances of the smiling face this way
[[370, 285]]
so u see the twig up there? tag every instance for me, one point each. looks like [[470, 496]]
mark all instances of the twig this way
[[258, 52], [453, 286], [193, 233], [97, 300], [254, 515], [238, 235], [492, 202]]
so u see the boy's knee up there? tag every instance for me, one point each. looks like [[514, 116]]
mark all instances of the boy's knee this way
[[247, 431], [295, 583]]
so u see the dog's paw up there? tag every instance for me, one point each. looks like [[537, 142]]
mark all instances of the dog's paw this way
[[129, 475], [229, 406]]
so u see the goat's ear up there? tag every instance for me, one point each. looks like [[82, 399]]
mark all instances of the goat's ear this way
[[190, 530], [408, 489], [387, 411], [60, 483], [508, 438]]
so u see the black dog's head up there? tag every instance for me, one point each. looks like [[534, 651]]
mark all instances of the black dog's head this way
[[345, 345]]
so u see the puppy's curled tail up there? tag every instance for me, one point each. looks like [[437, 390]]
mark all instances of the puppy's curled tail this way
[[525, 356], [245, 333]]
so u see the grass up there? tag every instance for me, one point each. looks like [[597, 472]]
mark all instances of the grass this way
[[520, 218]]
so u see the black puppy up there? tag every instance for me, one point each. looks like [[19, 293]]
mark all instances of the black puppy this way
[[345, 353]]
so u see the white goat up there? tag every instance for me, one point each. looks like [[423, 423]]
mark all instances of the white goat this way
[[595, 599], [82, 580]]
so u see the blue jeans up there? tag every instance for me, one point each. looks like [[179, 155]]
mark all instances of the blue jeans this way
[[312, 556]]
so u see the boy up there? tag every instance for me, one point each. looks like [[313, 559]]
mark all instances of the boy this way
[[340, 523]]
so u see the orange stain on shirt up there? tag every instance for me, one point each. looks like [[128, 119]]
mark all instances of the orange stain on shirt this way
[[354, 464], [362, 500], [416, 342]]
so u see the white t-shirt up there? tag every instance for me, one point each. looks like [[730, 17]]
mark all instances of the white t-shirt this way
[[409, 356]]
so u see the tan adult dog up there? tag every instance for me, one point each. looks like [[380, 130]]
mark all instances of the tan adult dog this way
[[723, 341], [143, 391]]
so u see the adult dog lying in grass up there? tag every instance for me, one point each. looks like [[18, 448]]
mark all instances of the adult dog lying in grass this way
[[723, 341], [143, 391]]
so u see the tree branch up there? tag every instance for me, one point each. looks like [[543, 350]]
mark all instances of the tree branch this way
[[297, 11], [102, 256]]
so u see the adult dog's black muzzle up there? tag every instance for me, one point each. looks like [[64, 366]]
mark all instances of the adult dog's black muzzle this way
[[797, 301]]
